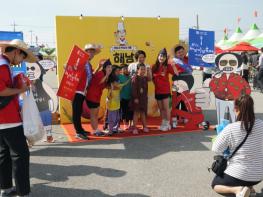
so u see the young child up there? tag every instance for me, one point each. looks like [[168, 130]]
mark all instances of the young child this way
[[140, 96], [126, 112], [113, 77], [113, 102]]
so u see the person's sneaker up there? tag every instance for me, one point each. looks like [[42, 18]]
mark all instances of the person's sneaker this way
[[166, 126], [135, 131], [81, 136], [86, 132], [50, 139], [162, 125], [8, 192], [245, 192], [98, 133], [120, 130], [146, 130]]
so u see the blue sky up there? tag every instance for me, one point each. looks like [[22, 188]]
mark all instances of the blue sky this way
[[39, 16]]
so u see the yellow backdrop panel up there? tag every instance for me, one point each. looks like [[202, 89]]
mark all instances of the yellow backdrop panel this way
[[120, 39]]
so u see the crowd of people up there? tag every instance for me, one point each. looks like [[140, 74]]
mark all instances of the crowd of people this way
[[127, 91]]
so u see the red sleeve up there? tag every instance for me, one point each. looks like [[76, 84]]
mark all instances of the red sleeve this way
[[4, 73], [179, 68], [170, 69], [98, 77]]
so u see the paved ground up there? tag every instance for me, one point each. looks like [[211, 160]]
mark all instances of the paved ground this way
[[163, 166]]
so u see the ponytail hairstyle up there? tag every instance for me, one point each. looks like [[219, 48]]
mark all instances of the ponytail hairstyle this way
[[245, 106]]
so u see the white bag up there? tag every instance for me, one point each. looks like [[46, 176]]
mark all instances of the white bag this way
[[32, 123]]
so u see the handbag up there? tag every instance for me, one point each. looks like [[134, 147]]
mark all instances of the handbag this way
[[220, 162]]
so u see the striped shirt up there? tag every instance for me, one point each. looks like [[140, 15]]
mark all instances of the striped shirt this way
[[247, 163]]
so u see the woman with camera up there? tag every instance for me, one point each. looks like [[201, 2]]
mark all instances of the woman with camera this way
[[245, 168]]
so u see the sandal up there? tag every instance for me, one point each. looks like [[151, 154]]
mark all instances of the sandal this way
[[245, 192]]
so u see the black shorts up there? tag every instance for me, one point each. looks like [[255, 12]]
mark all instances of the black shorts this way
[[162, 96], [228, 180], [92, 105]]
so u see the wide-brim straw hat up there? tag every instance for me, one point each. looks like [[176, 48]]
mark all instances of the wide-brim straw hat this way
[[19, 44], [96, 47]]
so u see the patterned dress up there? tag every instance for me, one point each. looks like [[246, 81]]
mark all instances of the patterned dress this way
[[140, 92]]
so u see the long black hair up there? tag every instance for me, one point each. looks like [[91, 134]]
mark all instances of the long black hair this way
[[112, 77], [157, 63], [245, 106]]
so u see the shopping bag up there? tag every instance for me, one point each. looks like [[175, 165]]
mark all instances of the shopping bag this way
[[32, 123]]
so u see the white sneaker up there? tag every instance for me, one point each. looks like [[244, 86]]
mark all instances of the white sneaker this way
[[162, 125], [245, 192], [166, 126]]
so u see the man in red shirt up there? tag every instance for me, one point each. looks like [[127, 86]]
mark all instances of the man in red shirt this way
[[77, 103], [13, 146]]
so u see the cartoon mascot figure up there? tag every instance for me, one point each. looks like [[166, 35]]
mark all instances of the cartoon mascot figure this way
[[45, 97], [227, 85]]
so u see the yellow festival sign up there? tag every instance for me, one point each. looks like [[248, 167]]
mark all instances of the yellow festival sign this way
[[120, 38]]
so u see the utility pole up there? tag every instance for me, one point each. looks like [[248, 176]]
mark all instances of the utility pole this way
[[14, 24], [197, 22]]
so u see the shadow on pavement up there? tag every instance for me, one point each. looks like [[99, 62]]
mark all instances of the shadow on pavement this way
[[42, 190], [134, 148], [57, 173]]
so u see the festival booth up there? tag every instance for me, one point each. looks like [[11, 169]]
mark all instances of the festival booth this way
[[119, 38]]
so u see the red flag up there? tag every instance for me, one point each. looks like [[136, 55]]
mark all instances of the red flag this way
[[255, 13], [238, 19], [73, 72]]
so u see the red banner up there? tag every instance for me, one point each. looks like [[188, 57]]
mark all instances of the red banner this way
[[74, 69]]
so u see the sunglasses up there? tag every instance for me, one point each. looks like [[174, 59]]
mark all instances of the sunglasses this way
[[32, 68], [231, 62]]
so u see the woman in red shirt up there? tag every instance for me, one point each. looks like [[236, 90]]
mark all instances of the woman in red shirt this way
[[94, 93], [161, 70]]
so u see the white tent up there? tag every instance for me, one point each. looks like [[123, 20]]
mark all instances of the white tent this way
[[237, 36], [260, 36], [253, 33], [222, 42]]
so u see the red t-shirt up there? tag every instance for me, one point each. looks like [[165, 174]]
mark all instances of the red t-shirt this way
[[83, 81], [10, 113], [162, 83], [95, 88]]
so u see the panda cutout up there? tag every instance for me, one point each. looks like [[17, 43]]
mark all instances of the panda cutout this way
[[226, 85], [45, 97]]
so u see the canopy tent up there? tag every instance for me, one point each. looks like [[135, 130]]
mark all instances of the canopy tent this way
[[218, 50], [258, 42], [223, 41], [243, 46], [253, 33], [237, 36]]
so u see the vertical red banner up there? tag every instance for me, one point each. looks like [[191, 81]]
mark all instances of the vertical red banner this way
[[73, 72]]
